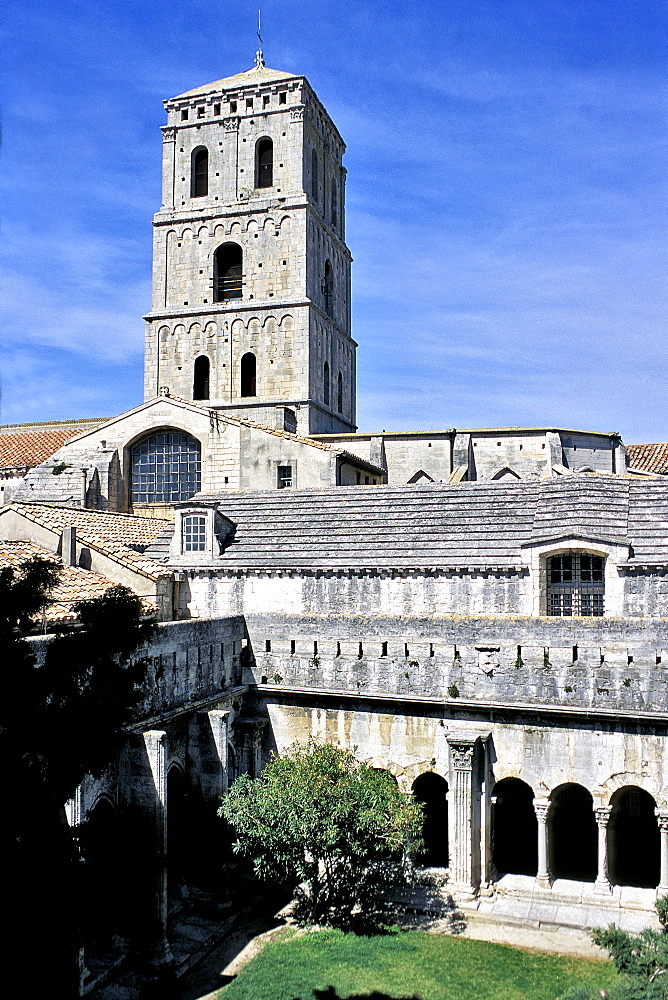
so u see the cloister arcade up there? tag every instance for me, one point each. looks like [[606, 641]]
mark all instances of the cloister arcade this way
[[566, 836]]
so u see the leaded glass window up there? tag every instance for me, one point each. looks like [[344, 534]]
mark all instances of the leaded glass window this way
[[166, 467], [194, 532], [575, 585]]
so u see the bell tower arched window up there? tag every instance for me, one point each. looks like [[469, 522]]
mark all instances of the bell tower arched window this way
[[314, 175], [165, 467], [248, 375], [575, 585], [201, 372], [325, 384], [199, 173], [328, 288], [339, 393], [264, 163], [227, 271]]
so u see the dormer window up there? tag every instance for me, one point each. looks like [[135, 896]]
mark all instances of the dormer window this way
[[194, 532], [200, 531], [575, 585]]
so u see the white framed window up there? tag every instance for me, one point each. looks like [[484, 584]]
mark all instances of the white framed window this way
[[284, 477], [193, 527]]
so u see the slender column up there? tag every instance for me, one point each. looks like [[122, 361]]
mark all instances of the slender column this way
[[543, 875], [218, 720], [663, 833], [602, 884], [460, 812], [155, 743]]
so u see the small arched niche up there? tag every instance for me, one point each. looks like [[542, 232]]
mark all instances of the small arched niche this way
[[432, 791], [264, 163]]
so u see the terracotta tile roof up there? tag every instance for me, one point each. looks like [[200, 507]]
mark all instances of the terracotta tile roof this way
[[31, 448], [122, 537], [649, 457], [75, 583]]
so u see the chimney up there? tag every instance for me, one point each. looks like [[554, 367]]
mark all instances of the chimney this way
[[68, 546]]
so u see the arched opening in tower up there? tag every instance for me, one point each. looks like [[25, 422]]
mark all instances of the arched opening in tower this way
[[264, 164], [633, 839], [328, 288], [227, 272], [572, 834], [199, 175], [432, 790], [201, 373], [514, 828], [248, 375], [325, 383]]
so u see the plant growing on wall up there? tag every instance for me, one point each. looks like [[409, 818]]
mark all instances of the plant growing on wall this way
[[334, 826]]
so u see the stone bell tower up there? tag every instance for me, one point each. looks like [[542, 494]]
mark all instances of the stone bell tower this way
[[251, 273]]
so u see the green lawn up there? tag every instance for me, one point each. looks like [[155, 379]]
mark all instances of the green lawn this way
[[413, 965]]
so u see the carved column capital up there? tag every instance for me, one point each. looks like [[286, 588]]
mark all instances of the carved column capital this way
[[297, 113], [602, 814], [231, 124], [168, 133], [541, 809], [462, 749], [662, 818]]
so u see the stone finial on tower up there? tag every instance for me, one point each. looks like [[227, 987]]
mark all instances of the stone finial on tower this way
[[259, 55]]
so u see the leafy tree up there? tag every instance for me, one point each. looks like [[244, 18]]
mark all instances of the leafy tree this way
[[642, 959], [59, 720], [319, 817]]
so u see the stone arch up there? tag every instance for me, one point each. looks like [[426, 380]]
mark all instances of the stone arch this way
[[633, 838], [269, 223], [202, 232], [211, 329], [186, 232], [431, 789], [101, 892], [269, 324], [420, 477], [177, 828], [287, 322], [506, 474], [219, 231], [285, 224], [235, 229], [514, 828], [163, 334], [572, 833], [252, 227]]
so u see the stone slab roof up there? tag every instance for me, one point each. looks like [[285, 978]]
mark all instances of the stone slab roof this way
[[75, 583], [649, 457], [254, 75], [469, 525], [122, 537]]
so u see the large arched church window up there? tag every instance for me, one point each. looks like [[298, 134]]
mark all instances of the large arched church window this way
[[227, 270], [165, 467], [325, 383], [575, 585], [264, 164], [199, 173], [339, 393], [201, 371], [248, 374]]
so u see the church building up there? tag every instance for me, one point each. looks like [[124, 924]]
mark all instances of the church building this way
[[482, 612]]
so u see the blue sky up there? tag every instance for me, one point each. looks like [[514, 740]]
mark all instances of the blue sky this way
[[506, 199]]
